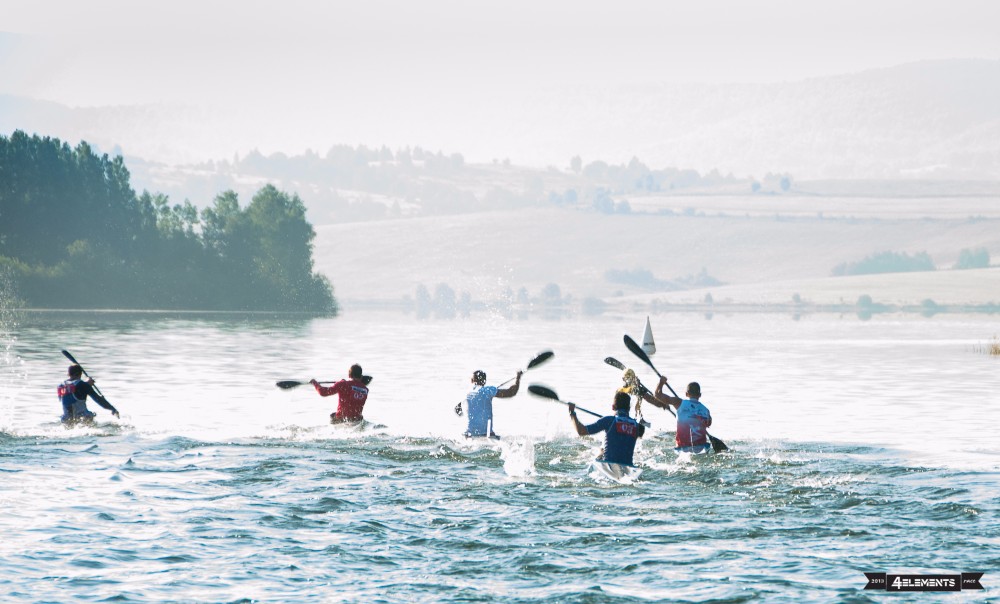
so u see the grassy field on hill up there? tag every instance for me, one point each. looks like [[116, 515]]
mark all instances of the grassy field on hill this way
[[775, 248]]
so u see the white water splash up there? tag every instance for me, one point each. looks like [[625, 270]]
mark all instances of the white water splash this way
[[13, 376], [518, 457]]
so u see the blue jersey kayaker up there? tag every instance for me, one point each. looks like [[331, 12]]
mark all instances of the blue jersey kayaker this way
[[73, 394], [480, 404], [693, 418], [620, 431]]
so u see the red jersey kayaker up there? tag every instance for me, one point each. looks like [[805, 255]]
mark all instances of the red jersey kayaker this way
[[353, 394]]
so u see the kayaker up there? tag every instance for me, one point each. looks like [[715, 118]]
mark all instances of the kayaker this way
[[620, 431], [479, 403], [73, 394], [693, 418], [353, 395]]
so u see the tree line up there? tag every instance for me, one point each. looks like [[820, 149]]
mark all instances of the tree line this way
[[901, 262], [370, 183], [74, 234]]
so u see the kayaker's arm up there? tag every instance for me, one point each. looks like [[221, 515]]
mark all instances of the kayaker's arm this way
[[580, 428], [660, 398], [87, 389], [512, 390], [325, 390]]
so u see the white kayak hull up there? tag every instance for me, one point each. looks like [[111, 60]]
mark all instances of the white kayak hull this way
[[618, 472], [705, 449]]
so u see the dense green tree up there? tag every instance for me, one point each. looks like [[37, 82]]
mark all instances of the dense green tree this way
[[69, 215]]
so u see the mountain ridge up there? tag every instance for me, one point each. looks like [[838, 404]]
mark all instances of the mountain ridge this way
[[928, 119]]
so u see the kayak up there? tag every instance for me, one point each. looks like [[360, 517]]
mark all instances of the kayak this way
[[618, 472], [77, 423], [705, 449], [490, 436]]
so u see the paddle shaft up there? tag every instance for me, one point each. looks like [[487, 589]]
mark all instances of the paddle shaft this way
[[75, 362], [548, 393], [578, 408], [619, 365], [717, 444], [535, 362], [287, 384], [639, 352]]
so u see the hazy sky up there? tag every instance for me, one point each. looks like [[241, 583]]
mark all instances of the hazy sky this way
[[123, 51], [381, 56]]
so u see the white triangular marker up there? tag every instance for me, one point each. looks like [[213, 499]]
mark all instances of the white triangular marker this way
[[648, 345]]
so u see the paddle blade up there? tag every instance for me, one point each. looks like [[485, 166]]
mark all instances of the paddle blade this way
[[70, 357], [637, 351], [543, 392], [286, 384], [717, 445], [615, 363], [541, 358], [367, 379]]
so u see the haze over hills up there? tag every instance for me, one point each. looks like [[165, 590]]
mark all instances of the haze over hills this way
[[931, 119], [674, 257], [494, 205]]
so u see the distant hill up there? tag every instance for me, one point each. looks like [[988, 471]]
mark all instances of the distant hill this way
[[936, 119], [758, 257]]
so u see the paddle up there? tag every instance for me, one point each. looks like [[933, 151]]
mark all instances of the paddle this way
[[717, 445], [642, 389], [615, 363], [287, 384], [94, 386], [550, 394], [542, 357], [535, 362]]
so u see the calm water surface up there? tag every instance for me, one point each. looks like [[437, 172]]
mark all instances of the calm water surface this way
[[858, 446]]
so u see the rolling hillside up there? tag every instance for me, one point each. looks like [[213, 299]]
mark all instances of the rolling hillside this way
[[937, 119]]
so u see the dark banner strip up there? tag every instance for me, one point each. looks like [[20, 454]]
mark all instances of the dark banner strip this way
[[889, 582]]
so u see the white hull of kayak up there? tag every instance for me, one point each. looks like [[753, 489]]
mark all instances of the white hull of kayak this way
[[616, 471], [699, 452]]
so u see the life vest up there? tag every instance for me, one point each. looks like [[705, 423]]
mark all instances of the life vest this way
[[74, 409], [67, 393]]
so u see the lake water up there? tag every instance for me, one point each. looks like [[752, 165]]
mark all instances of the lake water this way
[[857, 446]]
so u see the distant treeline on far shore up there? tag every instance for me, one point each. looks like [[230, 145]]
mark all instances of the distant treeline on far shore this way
[[73, 234]]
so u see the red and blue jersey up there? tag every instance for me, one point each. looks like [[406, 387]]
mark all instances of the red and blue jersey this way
[[620, 435]]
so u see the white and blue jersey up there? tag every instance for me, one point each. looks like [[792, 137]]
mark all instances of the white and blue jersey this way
[[480, 406], [693, 420]]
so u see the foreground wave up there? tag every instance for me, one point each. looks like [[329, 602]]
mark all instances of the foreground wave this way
[[120, 516]]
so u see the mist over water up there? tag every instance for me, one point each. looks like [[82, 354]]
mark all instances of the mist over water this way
[[858, 446]]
